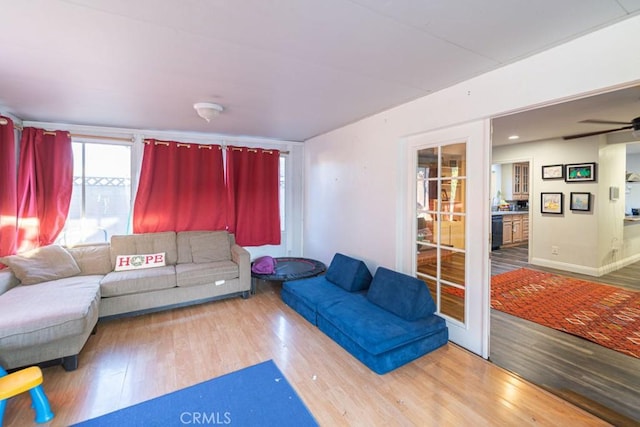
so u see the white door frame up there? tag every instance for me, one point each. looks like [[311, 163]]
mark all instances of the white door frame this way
[[474, 333]]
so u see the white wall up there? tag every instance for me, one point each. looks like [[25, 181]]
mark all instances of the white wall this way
[[354, 174]]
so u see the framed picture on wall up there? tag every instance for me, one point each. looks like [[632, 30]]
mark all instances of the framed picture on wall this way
[[551, 203], [579, 172], [580, 202], [553, 172]]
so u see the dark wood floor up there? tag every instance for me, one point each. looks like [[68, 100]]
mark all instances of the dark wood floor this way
[[600, 380]]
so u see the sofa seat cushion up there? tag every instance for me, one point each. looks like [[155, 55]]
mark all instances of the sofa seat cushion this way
[[206, 273], [373, 328], [379, 339], [39, 314], [304, 295], [136, 281]]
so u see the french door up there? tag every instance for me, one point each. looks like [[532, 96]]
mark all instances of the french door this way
[[447, 210]]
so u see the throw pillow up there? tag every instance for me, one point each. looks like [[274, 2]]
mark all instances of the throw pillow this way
[[139, 261], [42, 264], [402, 295]]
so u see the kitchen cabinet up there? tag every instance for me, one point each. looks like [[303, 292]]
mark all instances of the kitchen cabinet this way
[[515, 229], [514, 181], [520, 181], [507, 230]]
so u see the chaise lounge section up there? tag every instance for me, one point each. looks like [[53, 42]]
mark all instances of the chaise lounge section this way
[[51, 298], [384, 322]]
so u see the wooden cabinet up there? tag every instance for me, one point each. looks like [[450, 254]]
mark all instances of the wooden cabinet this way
[[515, 229], [507, 230], [521, 181]]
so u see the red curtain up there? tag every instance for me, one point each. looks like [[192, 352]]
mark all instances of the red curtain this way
[[45, 182], [253, 188], [8, 188], [181, 188]]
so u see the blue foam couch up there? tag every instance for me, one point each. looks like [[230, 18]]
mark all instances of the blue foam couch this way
[[385, 321]]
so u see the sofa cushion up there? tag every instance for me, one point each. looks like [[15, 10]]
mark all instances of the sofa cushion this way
[[193, 274], [305, 295], [378, 338], [146, 243], [42, 264], [62, 310], [349, 273], [8, 280], [203, 246], [136, 281], [373, 328], [92, 258], [401, 294]]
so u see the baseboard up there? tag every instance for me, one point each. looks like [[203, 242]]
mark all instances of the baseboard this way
[[581, 269], [574, 268]]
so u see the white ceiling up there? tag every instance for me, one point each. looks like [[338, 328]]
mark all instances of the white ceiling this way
[[566, 119], [285, 69]]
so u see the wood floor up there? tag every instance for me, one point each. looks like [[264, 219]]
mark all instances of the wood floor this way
[[603, 381], [134, 359]]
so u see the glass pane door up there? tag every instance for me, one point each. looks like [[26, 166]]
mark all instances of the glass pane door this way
[[441, 221]]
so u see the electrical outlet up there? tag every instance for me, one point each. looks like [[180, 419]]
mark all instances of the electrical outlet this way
[[554, 250]]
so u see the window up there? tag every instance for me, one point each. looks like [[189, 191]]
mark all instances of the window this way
[[101, 197]]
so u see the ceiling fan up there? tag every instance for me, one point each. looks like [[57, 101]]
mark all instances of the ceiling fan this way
[[633, 124]]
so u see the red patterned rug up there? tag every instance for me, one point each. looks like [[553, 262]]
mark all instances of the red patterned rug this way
[[606, 315]]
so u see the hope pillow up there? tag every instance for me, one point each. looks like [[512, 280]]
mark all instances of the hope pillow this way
[[134, 262]]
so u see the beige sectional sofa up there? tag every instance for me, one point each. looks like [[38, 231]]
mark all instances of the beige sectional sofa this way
[[52, 298]]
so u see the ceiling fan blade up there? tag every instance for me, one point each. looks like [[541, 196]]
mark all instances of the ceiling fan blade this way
[[604, 122], [600, 132]]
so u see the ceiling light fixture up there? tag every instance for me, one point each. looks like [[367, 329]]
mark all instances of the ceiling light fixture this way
[[207, 110], [513, 137]]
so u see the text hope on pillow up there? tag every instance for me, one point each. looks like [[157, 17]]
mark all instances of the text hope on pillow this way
[[133, 262]]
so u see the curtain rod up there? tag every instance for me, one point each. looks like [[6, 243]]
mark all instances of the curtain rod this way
[[110, 138], [4, 121], [223, 146]]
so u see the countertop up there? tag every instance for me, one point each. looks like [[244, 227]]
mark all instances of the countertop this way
[[494, 213]]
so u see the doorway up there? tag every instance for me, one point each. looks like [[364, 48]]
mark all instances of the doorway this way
[[600, 380]]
